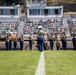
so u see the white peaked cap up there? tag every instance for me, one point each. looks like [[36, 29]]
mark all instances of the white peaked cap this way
[[39, 26]]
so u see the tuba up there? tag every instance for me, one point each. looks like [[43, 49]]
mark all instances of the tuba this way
[[14, 37]]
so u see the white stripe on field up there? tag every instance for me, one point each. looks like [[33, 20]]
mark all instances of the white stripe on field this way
[[40, 70]]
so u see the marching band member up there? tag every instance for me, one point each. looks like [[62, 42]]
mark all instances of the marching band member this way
[[52, 38], [30, 41], [58, 42], [21, 42], [7, 42], [64, 41], [40, 39], [10, 41], [46, 43], [15, 39], [74, 39]]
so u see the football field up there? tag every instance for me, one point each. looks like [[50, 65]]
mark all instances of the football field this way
[[26, 62], [60, 62], [18, 62]]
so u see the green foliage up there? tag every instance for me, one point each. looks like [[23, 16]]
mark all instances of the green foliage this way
[[65, 1]]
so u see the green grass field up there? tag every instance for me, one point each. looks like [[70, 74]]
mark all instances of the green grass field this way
[[60, 62], [18, 62], [25, 62]]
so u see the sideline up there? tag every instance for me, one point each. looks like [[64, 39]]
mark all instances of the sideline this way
[[40, 70]]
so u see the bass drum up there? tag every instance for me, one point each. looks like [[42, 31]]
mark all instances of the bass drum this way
[[14, 37]]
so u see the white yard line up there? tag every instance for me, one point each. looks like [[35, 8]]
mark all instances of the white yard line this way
[[40, 70]]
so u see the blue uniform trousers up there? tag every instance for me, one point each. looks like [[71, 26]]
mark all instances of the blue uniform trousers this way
[[30, 44], [40, 42], [51, 43], [74, 43], [64, 44], [21, 44], [7, 45], [10, 44], [15, 45]]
